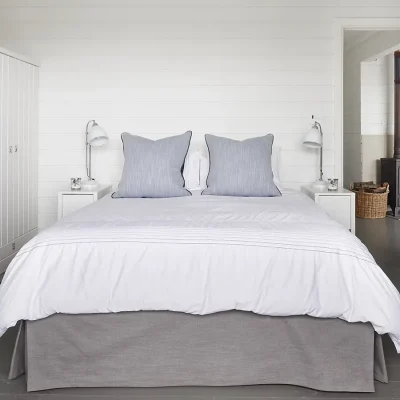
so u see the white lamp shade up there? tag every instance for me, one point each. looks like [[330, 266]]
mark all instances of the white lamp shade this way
[[313, 138], [97, 136]]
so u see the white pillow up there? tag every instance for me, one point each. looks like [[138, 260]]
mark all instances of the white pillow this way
[[197, 165], [191, 171], [276, 162]]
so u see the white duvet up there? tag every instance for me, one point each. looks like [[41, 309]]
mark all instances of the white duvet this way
[[200, 255]]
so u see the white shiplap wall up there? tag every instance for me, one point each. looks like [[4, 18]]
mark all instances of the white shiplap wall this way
[[377, 96], [377, 114], [160, 67]]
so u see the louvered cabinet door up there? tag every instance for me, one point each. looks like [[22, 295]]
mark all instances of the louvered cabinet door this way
[[4, 147], [19, 133], [33, 105], [18, 145], [23, 153], [18, 150], [12, 175], [18, 155]]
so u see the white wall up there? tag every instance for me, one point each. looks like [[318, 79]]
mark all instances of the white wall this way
[[160, 67], [361, 92], [377, 114], [377, 96]]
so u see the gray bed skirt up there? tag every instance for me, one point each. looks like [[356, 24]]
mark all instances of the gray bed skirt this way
[[162, 348]]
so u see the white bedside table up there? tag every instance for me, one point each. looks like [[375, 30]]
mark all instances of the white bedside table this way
[[339, 204], [72, 200]]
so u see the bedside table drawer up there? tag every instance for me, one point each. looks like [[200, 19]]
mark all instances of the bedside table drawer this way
[[73, 202], [338, 208]]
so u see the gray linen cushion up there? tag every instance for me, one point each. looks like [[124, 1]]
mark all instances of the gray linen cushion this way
[[241, 168], [153, 168]]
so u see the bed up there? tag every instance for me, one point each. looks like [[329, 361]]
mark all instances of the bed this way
[[200, 290]]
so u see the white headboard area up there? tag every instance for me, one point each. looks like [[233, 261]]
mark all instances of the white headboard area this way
[[297, 165], [236, 68]]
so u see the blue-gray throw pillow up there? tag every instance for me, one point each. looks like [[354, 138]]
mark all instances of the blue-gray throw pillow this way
[[153, 168], [241, 168]]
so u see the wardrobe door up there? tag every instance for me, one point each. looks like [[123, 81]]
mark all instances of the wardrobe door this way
[[18, 149], [18, 155], [22, 154], [12, 176], [4, 156], [33, 102]]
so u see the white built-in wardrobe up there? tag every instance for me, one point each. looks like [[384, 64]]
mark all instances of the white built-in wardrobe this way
[[18, 153]]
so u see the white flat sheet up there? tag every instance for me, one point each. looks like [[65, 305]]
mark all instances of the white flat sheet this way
[[200, 255]]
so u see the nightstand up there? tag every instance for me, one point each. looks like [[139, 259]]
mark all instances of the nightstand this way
[[339, 204], [72, 200]]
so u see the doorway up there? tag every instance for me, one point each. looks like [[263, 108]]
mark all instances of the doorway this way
[[368, 102], [363, 127]]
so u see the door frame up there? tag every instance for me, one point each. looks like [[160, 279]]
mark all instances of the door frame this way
[[339, 26]]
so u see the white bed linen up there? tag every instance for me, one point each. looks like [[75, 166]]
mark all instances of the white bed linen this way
[[200, 255]]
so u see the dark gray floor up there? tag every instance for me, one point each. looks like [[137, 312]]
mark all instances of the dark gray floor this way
[[382, 237]]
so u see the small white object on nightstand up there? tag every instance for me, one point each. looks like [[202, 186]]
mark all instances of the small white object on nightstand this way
[[339, 204], [70, 201]]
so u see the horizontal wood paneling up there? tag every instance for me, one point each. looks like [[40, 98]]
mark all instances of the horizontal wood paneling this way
[[170, 30], [237, 68], [174, 125], [181, 78], [377, 101], [119, 109], [184, 63], [190, 94], [183, 47]]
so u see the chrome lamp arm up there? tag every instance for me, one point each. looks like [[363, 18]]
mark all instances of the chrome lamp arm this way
[[89, 152], [318, 125]]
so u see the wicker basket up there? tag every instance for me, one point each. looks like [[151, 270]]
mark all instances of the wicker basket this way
[[371, 205]]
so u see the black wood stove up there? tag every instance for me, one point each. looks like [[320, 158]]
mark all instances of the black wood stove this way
[[390, 167]]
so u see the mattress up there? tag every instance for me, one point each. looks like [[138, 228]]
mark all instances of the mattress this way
[[200, 255], [162, 348]]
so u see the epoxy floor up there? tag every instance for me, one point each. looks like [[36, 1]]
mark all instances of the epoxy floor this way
[[382, 237]]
